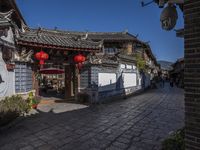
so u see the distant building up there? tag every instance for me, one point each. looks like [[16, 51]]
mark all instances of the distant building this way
[[114, 72], [178, 72], [165, 68]]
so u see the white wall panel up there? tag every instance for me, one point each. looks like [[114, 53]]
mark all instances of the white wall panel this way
[[129, 79], [6, 81], [129, 66], [122, 66], [106, 78]]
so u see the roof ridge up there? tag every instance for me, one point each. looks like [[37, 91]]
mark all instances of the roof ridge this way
[[78, 32]]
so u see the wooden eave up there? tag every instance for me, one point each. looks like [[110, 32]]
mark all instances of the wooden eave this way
[[18, 13], [32, 44]]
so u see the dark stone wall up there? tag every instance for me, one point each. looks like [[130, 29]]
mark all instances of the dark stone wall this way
[[192, 73]]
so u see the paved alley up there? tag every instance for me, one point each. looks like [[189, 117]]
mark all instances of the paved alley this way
[[140, 122]]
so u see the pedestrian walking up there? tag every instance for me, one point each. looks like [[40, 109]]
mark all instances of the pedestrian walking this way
[[163, 82], [171, 82]]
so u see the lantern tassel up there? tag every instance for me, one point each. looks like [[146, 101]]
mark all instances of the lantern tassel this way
[[80, 65], [41, 62]]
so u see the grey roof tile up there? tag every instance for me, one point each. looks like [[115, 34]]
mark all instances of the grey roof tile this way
[[50, 37], [111, 36], [4, 22]]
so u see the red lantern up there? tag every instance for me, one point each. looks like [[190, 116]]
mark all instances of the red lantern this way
[[41, 56], [79, 59]]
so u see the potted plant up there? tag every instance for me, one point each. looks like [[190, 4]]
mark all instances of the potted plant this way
[[34, 104], [33, 101]]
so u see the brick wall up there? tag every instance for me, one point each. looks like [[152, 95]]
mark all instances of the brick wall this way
[[192, 73]]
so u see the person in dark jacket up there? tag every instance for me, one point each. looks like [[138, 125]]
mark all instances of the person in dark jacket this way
[[171, 82]]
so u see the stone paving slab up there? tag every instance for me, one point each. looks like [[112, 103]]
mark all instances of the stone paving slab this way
[[137, 123]]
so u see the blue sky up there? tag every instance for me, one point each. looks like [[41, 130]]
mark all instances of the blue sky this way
[[106, 15]]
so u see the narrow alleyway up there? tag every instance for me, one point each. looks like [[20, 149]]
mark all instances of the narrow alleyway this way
[[139, 122]]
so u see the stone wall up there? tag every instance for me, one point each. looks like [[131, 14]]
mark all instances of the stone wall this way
[[192, 73], [101, 83]]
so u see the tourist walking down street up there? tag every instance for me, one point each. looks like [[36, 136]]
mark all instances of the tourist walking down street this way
[[171, 82], [163, 82]]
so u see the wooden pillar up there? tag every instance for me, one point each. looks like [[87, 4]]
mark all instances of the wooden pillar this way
[[192, 74], [35, 80], [35, 84], [77, 83], [68, 78]]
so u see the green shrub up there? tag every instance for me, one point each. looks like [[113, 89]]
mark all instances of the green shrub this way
[[140, 62], [11, 108], [175, 142]]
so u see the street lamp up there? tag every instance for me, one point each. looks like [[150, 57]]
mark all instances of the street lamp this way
[[161, 3], [168, 17], [169, 14]]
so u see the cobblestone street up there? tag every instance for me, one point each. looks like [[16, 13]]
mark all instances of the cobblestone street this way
[[139, 122]]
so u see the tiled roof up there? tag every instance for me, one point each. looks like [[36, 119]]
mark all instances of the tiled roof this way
[[7, 44], [72, 39], [127, 57], [56, 38], [4, 21], [97, 36], [9, 5], [111, 36]]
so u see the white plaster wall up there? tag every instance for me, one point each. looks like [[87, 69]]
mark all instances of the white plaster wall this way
[[7, 87], [11, 84], [122, 66], [129, 66], [10, 37], [129, 79], [134, 67], [106, 78], [107, 81], [139, 81]]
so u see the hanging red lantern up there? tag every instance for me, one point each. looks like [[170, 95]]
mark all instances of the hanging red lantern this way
[[41, 56], [79, 59]]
